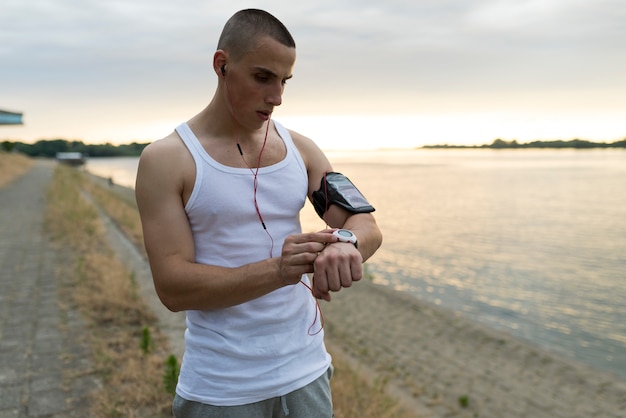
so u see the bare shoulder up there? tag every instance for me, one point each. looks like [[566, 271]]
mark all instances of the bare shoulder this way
[[314, 159], [312, 155], [170, 146], [165, 153], [164, 162]]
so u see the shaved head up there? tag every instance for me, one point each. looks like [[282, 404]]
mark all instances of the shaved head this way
[[243, 30]]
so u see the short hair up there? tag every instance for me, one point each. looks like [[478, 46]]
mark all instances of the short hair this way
[[243, 29]]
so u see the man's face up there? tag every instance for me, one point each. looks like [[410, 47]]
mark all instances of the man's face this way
[[257, 81]]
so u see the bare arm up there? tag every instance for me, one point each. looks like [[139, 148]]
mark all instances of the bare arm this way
[[339, 264], [181, 283]]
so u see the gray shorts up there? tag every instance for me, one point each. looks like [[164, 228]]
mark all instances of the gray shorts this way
[[312, 401]]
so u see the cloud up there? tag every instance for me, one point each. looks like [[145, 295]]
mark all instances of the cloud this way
[[147, 59]]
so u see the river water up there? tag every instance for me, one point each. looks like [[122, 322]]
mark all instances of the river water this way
[[532, 242]]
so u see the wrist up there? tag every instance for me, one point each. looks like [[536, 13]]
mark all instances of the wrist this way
[[345, 235]]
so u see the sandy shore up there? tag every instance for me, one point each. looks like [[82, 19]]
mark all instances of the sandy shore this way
[[435, 360], [437, 363]]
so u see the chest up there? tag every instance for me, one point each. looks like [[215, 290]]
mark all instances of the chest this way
[[237, 195], [250, 154]]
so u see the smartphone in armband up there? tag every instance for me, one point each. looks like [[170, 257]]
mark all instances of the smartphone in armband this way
[[337, 189]]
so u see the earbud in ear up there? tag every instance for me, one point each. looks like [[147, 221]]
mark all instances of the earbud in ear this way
[[223, 69]]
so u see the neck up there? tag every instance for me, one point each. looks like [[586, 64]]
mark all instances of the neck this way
[[218, 121]]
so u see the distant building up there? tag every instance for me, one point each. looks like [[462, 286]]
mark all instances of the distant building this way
[[71, 158], [10, 118]]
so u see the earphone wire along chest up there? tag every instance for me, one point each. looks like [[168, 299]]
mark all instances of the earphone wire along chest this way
[[254, 171], [255, 174]]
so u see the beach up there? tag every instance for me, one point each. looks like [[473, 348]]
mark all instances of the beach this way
[[440, 364], [435, 362]]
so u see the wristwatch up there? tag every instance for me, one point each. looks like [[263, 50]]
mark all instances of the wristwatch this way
[[345, 235]]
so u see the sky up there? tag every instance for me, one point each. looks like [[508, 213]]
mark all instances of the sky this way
[[369, 74]]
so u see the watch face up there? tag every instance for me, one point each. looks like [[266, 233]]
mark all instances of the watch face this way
[[344, 233]]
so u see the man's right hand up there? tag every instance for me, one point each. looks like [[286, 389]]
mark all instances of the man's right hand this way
[[299, 253]]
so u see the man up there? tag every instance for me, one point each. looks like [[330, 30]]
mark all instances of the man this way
[[219, 200]]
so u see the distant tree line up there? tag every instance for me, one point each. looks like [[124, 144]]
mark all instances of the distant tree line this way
[[49, 148], [574, 143]]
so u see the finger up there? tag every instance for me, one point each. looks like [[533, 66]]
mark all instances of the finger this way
[[302, 258], [321, 295], [320, 237], [333, 277], [306, 250], [345, 276], [320, 282], [293, 266], [325, 296], [313, 247], [357, 271], [354, 274]]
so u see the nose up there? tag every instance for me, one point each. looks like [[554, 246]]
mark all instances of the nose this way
[[275, 95]]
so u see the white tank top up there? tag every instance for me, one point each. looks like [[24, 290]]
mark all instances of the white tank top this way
[[262, 348]]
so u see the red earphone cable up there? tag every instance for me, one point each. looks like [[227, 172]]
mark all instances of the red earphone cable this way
[[317, 307], [255, 173]]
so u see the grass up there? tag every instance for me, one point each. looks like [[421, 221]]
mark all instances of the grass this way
[[117, 318], [122, 211], [12, 166], [131, 355], [355, 396]]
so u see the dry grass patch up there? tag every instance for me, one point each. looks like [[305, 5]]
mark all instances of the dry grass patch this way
[[355, 396], [123, 212], [12, 166], [119, 323]]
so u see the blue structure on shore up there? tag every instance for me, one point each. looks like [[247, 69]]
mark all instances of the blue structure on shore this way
[[10, 118]]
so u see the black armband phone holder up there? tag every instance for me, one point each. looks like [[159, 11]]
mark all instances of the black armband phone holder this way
[[337, 189]]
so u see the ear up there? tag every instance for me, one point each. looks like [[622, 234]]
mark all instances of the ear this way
[[220, 58]]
